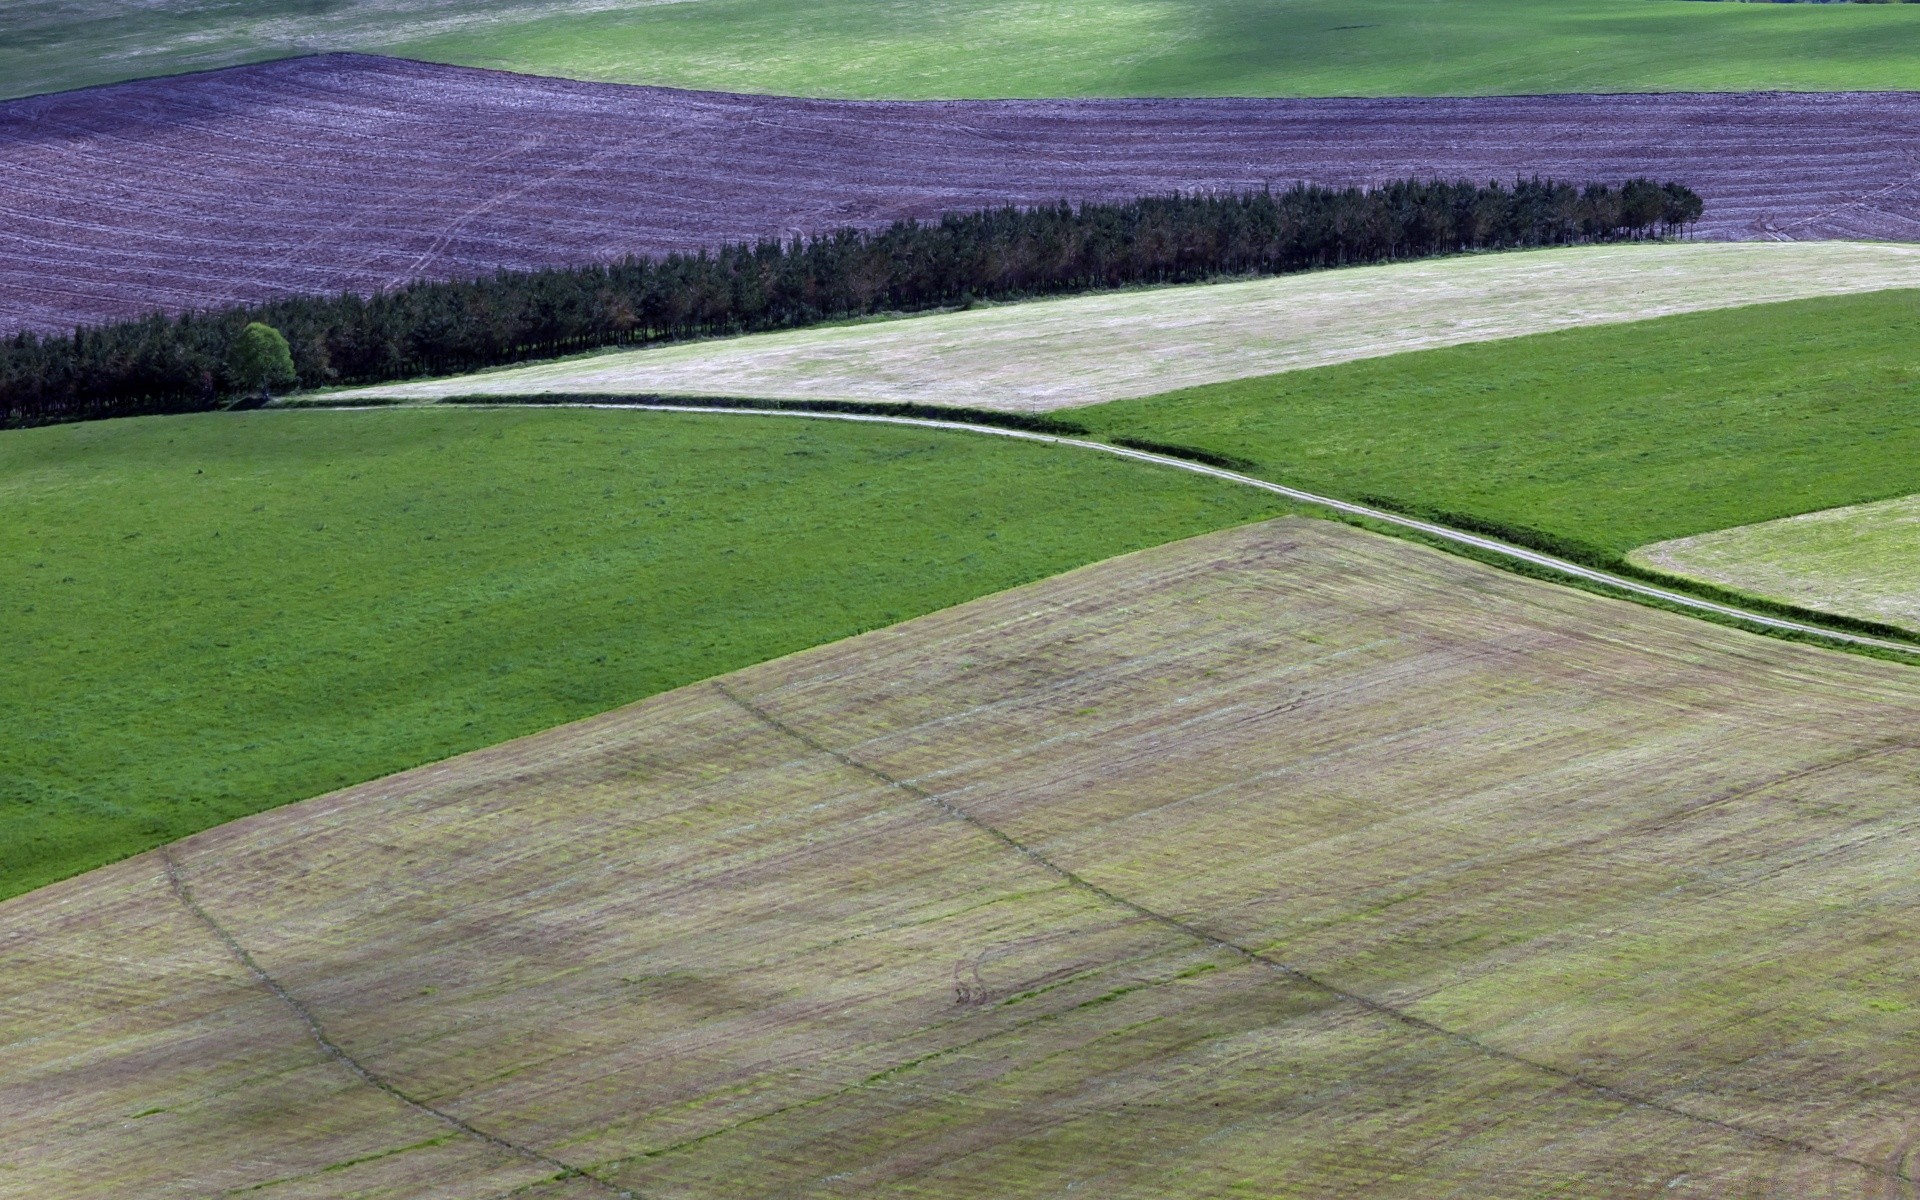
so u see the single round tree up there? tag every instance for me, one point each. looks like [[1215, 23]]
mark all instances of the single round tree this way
[[260, 361]]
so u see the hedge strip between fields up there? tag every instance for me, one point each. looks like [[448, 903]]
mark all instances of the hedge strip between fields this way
[[188, 363]]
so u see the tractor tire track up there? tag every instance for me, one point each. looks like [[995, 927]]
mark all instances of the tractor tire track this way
[[1359, 1000], [183, 892]]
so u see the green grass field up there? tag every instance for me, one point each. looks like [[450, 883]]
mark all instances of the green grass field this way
[[1608, 438], [992, 48], [207, 616], [1859, 560]]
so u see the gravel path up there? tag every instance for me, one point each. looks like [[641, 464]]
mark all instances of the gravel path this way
[[348, 172], [1457, 537]]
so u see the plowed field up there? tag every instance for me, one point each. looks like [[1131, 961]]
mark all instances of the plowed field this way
[[1290, 861], [345, 172]]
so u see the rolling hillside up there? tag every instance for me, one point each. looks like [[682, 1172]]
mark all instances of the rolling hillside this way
[[994, 48], [1080, 350], [208, 616], [1290, 861]]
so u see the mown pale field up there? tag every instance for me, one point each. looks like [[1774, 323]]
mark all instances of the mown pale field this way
[[1050, 354], [1288, 861]]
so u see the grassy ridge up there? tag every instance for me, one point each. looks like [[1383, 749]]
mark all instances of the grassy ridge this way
[[1034, 48], [1601, 439], [995, 48], [207, 616]]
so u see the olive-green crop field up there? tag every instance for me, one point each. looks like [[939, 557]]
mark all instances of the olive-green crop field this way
[[1598, 440], [204, 616], [938, 49], [1291, 861]]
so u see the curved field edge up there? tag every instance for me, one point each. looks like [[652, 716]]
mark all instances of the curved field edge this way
[[207, 616], [1049, 354], [1289, 855], [1586, 443], [1857, 560], [1002, 48]]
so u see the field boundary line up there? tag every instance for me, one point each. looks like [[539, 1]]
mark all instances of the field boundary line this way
[[176, 880], [1364, 1002], [1432, 529]]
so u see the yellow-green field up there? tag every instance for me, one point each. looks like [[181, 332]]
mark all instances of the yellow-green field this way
[[1290, 861], [1088, 349], [1862, 560]]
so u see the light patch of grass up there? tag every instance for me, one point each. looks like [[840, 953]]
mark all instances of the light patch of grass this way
[[1003, 48], [1080, 350], [207, 616], [1861, 560]]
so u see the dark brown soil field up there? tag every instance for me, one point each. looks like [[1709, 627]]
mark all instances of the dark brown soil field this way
[[352, 172]]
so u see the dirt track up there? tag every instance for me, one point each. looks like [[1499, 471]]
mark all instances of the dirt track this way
[[351, 172]]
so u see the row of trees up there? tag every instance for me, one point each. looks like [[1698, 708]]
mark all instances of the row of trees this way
[[188, 363]]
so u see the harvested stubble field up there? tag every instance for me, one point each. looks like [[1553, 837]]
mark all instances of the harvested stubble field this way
[[1857, 560], [345, 172], [1052, 354], [1288, 861]]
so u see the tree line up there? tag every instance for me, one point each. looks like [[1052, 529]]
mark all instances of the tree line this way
[[187, 363]]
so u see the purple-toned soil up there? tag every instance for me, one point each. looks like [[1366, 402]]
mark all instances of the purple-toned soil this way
[[350, 172]]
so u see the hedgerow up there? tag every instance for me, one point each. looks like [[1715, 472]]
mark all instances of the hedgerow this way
[[182, 363]]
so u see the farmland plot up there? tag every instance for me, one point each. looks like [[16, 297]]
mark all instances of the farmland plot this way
[[207, 616], [1289, 860], [1050, 354], [344, 172], [1862, 560], [1596, 440]]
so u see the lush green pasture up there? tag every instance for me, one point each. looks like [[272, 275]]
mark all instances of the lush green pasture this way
[[1610, 437], [208, 616], [986, 48]]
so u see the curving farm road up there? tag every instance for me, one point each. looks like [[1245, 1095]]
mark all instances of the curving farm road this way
[[1458, 537]]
